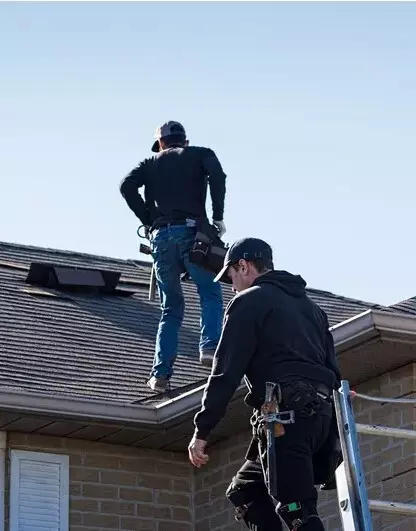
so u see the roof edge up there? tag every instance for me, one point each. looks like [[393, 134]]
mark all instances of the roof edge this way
[[358, 329], [76, 408], [370, 324]]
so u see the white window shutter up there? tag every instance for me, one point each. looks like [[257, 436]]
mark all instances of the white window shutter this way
[[39, 491]]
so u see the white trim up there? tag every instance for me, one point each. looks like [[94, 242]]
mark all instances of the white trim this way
[[16, 457], [372, 324]]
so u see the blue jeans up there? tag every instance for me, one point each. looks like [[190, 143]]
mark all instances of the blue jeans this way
[[170, 250]]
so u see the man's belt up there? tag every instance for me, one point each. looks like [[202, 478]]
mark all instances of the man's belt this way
[[164, 224]]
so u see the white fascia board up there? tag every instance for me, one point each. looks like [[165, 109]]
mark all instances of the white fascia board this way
[[75, 408], [371, 324]]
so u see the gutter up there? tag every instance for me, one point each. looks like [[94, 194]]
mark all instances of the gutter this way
[[139, 415], [372, 324]]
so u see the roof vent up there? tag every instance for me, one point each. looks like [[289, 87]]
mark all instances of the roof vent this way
[[75, 279]]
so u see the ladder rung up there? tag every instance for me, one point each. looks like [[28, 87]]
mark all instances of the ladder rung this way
[[392, 507], [385, 430]]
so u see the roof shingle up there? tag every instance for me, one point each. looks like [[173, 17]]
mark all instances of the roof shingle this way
[[99, 347]]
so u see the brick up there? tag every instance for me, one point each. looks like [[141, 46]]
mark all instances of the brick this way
[[237, 455], [212, 479], [99, 492], [84, 474], [74, 518], [404, 465], [118, 508], [75, 489], [182, 485], [409, 447], [83, 504], [106, 462], [173, 499], [75, 460], [137, 524], [218, 491], [375, 492], [181, 514], [400, 488], [100, 520], [145, 510], [381, 443], [201, 497], [154, 482], [42, 442], [402, 372], [408, 416], [137, 464], [162, 512], [170, 469], [138, 495], [173, 526], [203, 525], [219, 519], [203, 511], [123, 479]]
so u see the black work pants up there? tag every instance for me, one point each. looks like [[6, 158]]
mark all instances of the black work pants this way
[[294, 462]]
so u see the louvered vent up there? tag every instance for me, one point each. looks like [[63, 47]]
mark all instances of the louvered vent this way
[[39, 492]]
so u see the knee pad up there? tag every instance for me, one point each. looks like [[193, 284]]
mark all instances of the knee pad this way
[[254, 507], [302, 516]]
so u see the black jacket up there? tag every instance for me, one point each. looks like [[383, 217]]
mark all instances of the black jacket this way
[[175, 185], [272, 332]]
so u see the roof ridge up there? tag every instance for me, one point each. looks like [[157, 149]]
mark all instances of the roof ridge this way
[[75, 254], [345, 298]]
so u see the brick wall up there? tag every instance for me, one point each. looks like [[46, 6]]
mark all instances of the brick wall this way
[[119, 488], [390, 464]]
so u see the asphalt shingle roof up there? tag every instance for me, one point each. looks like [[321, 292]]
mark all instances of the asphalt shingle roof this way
[[99, 347], [408, 306]]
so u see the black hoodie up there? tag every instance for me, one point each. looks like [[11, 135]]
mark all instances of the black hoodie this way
[[272, 332]]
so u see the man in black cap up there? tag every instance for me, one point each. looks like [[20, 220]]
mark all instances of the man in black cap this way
[[273, 332], [175, 184]]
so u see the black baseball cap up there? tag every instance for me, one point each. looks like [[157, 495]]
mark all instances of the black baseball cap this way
[[244, 249], [167, 129]]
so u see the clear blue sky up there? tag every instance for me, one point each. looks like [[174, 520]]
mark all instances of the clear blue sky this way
[[311, 109]]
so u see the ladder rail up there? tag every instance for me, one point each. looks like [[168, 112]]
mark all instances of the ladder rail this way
[[386, 431], [354, 506], [352, 465]]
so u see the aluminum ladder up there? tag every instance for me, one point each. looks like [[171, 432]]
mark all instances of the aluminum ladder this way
[[354, 506]]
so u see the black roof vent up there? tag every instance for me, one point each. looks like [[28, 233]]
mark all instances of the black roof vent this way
[[74, 279]]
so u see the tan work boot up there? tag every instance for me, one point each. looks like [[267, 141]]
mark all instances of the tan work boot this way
[[159, 384]]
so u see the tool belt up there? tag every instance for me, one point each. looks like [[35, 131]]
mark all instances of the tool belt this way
[[268, 422], [208, 250]]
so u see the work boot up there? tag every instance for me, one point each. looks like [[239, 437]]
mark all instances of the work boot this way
[[206, 357], [159, 384]]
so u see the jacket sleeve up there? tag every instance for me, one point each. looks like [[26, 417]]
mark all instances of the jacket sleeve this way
[[331, 357], [236, 348], [216, 180], [129, 189]]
